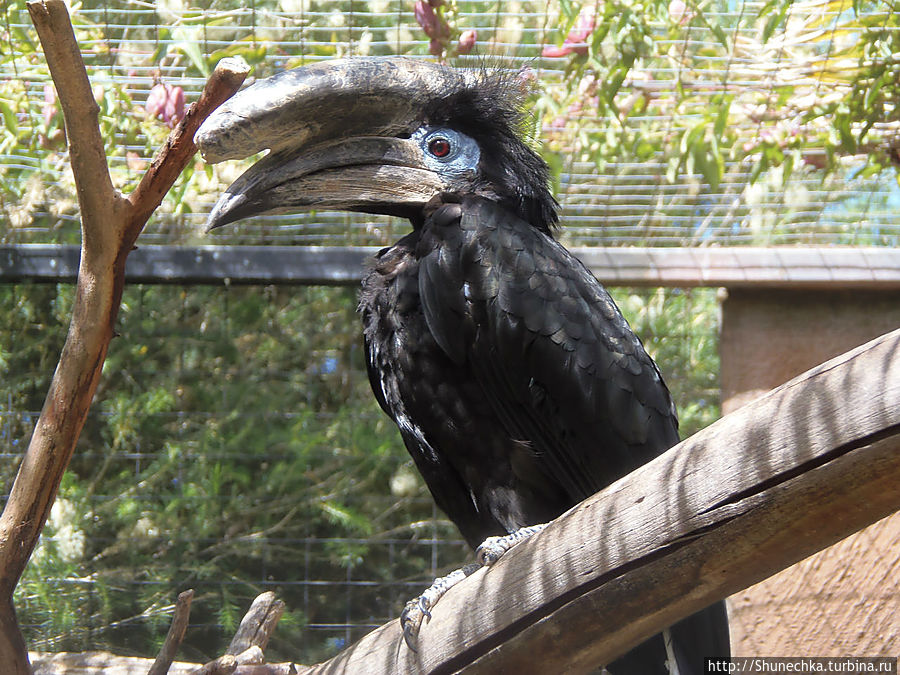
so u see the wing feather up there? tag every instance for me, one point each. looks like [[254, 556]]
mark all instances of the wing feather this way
[[555, 357]]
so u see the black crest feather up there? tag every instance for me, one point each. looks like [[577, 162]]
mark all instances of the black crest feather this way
[[491, 108]]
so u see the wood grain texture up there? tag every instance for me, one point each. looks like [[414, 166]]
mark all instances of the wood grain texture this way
[[779, 479], [258, 624], [843, 599], [92, 663]]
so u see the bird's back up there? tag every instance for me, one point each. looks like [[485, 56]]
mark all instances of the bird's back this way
[[506, 365]]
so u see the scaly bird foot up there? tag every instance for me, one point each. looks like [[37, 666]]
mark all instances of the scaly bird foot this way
[[493, 548], [418, 609]]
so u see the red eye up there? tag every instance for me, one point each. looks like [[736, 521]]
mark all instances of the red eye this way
[[439, 147]]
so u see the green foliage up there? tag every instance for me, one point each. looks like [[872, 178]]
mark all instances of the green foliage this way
[[679, 328], [727, 98], [234, 429], [719, 94], [38, 190], [631, 40]]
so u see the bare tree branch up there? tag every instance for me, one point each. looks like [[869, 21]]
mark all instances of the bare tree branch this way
[[224, 665], [175, 636], [98, 199], [110, 225], [258, 624], [170, 161]]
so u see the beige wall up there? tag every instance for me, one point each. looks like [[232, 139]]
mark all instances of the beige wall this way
[[845, 600]]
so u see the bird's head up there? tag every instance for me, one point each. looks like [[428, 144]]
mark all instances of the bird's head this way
[[377, 135]]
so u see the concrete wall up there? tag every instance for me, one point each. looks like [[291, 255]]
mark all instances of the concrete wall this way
[[845, 600]]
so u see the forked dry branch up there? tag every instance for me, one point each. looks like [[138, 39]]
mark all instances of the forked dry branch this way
[[110, 225]]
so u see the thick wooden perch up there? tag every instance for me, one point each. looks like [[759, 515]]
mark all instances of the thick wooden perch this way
[[785, 476], [110, 225]]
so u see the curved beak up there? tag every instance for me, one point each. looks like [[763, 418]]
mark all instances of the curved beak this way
[[338, 138], [369, 174]]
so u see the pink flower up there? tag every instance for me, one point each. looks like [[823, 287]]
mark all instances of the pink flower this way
[[467, 41], [434, 26], [167, 102], [156, 101], [174, 106], [554, 52], [49, 108], [679, 12], [576, 40]]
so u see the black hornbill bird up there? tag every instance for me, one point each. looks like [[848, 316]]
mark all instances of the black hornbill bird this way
[[518, 387]]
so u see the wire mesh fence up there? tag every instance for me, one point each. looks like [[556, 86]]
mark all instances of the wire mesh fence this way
[[728, 123]]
